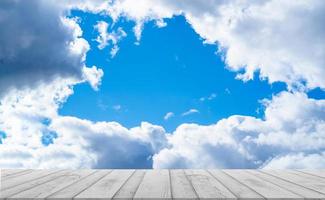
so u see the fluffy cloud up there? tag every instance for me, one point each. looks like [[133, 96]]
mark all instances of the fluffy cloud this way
[[169, 115], [282, 40], [292, 129], [190, 112], [26, 115], [208, 98], [39, 44], [298, 161], [93, 75], [106, 37]]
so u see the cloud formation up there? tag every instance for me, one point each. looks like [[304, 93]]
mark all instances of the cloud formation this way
[[291, 130], [208, 98], [282, 40], [26, 115], [41, 63], [190, 112], [169, 115], [39, 44], [105, 37]]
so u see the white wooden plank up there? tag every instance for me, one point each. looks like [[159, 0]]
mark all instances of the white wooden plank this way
[[308, 181], [268, 190], [35, 174], [304, 192], [7, 172], [17, 173], [315, 172], [206, 186], [76, 188], [106, 187], [164, 184], [239, 190], [181, 187], [46, 189], [155, 184], [128, 190], [28, 185]]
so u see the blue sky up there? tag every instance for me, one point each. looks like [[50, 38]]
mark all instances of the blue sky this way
[[169, 71], [213, 84]]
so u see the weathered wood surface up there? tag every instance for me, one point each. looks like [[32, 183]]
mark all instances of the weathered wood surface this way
[[162, 184]]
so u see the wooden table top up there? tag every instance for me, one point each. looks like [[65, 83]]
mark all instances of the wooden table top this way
[[162, 184]]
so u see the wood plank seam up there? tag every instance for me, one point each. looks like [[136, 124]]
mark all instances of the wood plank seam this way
[[222, 183], [117, 191], [292, 182], [240, 182], [16, 173], [9, 176], [195, 192], [128, 189], [71, 184], [309, 174], [170, 184], [154, 185], [139, 185], [33, 179], [32, 186], [279, 185], [92, 184]]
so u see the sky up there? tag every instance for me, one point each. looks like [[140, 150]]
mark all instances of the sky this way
[[162, 84], [170, 71]]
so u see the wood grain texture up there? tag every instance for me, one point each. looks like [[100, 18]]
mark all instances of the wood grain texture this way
[[162, 184], [128, 190], [302, 179], [8, 172], [316, 172], [239, 190], [297, 189], [155, 185], [11, 174], [181, 187], [6, 193], [106, 187], [46, 189], [206, 186], [75, 189], [23, 178], [267, 189]]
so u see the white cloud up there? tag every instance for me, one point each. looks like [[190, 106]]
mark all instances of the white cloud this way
[[106, 37], [208, 98], [117, 107], [94, 76], [287, 46], [264, 36], [41, 48], [26, 115], [298, 161], [169, 115], [103, 37], [291, 130], [190, 111]]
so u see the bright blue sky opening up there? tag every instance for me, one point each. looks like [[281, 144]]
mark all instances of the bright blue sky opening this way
[[169, 71], [48, 138], [3, 136]]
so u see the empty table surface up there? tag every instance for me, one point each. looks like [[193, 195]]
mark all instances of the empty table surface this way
[[162, 184]]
